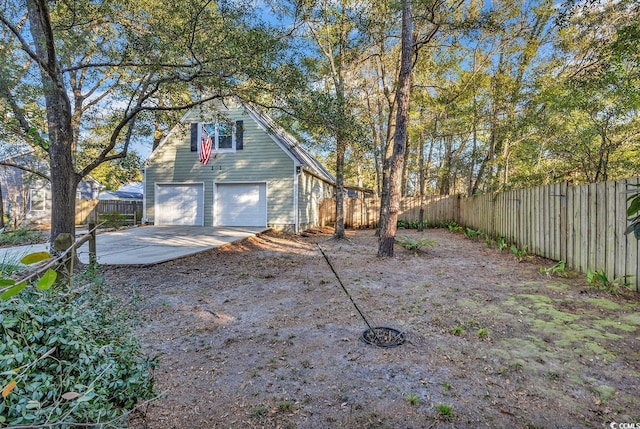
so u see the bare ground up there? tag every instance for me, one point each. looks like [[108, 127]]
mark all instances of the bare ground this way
[[259, 334]]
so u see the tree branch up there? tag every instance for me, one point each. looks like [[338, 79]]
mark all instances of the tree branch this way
[[27, 169]]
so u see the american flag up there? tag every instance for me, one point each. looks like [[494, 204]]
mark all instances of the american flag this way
[[207, 146]]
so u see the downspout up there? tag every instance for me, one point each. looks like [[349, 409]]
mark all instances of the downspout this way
[[296, 182], [144, 195]]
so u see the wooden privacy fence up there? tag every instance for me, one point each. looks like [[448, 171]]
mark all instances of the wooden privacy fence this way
[[364, 212], [583, 225], [84, 208], [122, 211]]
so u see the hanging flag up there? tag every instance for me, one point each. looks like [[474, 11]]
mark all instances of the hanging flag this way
[[207, 146]]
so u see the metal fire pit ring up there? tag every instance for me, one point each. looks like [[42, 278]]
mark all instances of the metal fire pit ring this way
[[383, 336]]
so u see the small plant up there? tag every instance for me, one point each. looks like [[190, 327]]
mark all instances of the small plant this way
[[520, 254], [473, 234], [446, 385], [445, 411], [412, 399], [45, 276], [454, 226], [502, 243], [22, 236], [402, 224], [284, 406], [260, 411], [600, 280], [457, 330], [559, 269], [488, 240], [483, 333], [415, 245]]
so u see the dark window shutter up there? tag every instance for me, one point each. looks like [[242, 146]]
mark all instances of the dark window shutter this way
[[194, 137], [239, 135]]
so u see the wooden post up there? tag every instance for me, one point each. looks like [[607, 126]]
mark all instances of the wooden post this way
[[92, 243]]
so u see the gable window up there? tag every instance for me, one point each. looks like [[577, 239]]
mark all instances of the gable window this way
[[225, 136], [222, 136], [38, 200]]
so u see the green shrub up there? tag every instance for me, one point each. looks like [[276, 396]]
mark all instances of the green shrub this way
[[414, 224], [415, 245], [113, 220], [454, 226], [72, 359], [473, 234], [22, 236]]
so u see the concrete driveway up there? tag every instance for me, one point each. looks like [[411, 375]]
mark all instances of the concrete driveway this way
[[149, 245]]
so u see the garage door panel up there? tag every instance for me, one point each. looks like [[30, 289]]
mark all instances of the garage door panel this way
[[241, 204], [180, 204]]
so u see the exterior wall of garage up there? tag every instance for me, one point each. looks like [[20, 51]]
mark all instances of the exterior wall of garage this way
[[311, 191], [260, 160]]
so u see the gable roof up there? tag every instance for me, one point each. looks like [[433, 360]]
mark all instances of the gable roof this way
[[290, 143], [285, 140]]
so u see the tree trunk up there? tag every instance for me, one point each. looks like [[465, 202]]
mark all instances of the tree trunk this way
[[421, 181], [388, 231], [340, 151], [64, 180], [1, 209]]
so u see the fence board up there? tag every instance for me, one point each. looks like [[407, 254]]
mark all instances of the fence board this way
[[610, 235], [632, 243], [562, 234], [621, 221], [584, 228], [570, 256], [601, 225]]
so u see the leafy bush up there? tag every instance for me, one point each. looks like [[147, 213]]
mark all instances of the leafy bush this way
[[22, 236], [405, 224], [69, 357], [113, 220]]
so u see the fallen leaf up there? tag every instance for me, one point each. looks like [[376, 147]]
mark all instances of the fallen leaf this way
[[8, 388], [70, 395]]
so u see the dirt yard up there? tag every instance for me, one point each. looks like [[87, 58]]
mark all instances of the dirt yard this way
[[260, 334]]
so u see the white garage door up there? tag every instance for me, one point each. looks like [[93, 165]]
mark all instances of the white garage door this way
[[241, 204], [180, 204]]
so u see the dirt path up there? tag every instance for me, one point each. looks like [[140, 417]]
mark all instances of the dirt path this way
[[259, 334]]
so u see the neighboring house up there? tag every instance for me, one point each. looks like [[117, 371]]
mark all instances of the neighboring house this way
[[128, 192], [257, 174], [26, 197]]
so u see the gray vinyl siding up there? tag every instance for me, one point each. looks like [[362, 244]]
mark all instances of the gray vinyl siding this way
[[261, 160]]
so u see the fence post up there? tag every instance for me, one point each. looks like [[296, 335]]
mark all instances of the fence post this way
[[92, 243]]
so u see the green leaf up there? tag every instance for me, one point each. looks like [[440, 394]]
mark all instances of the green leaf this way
[[32, 258], [7, 282], [634, 207], [47, 279], [636, 231], [13, 291]]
